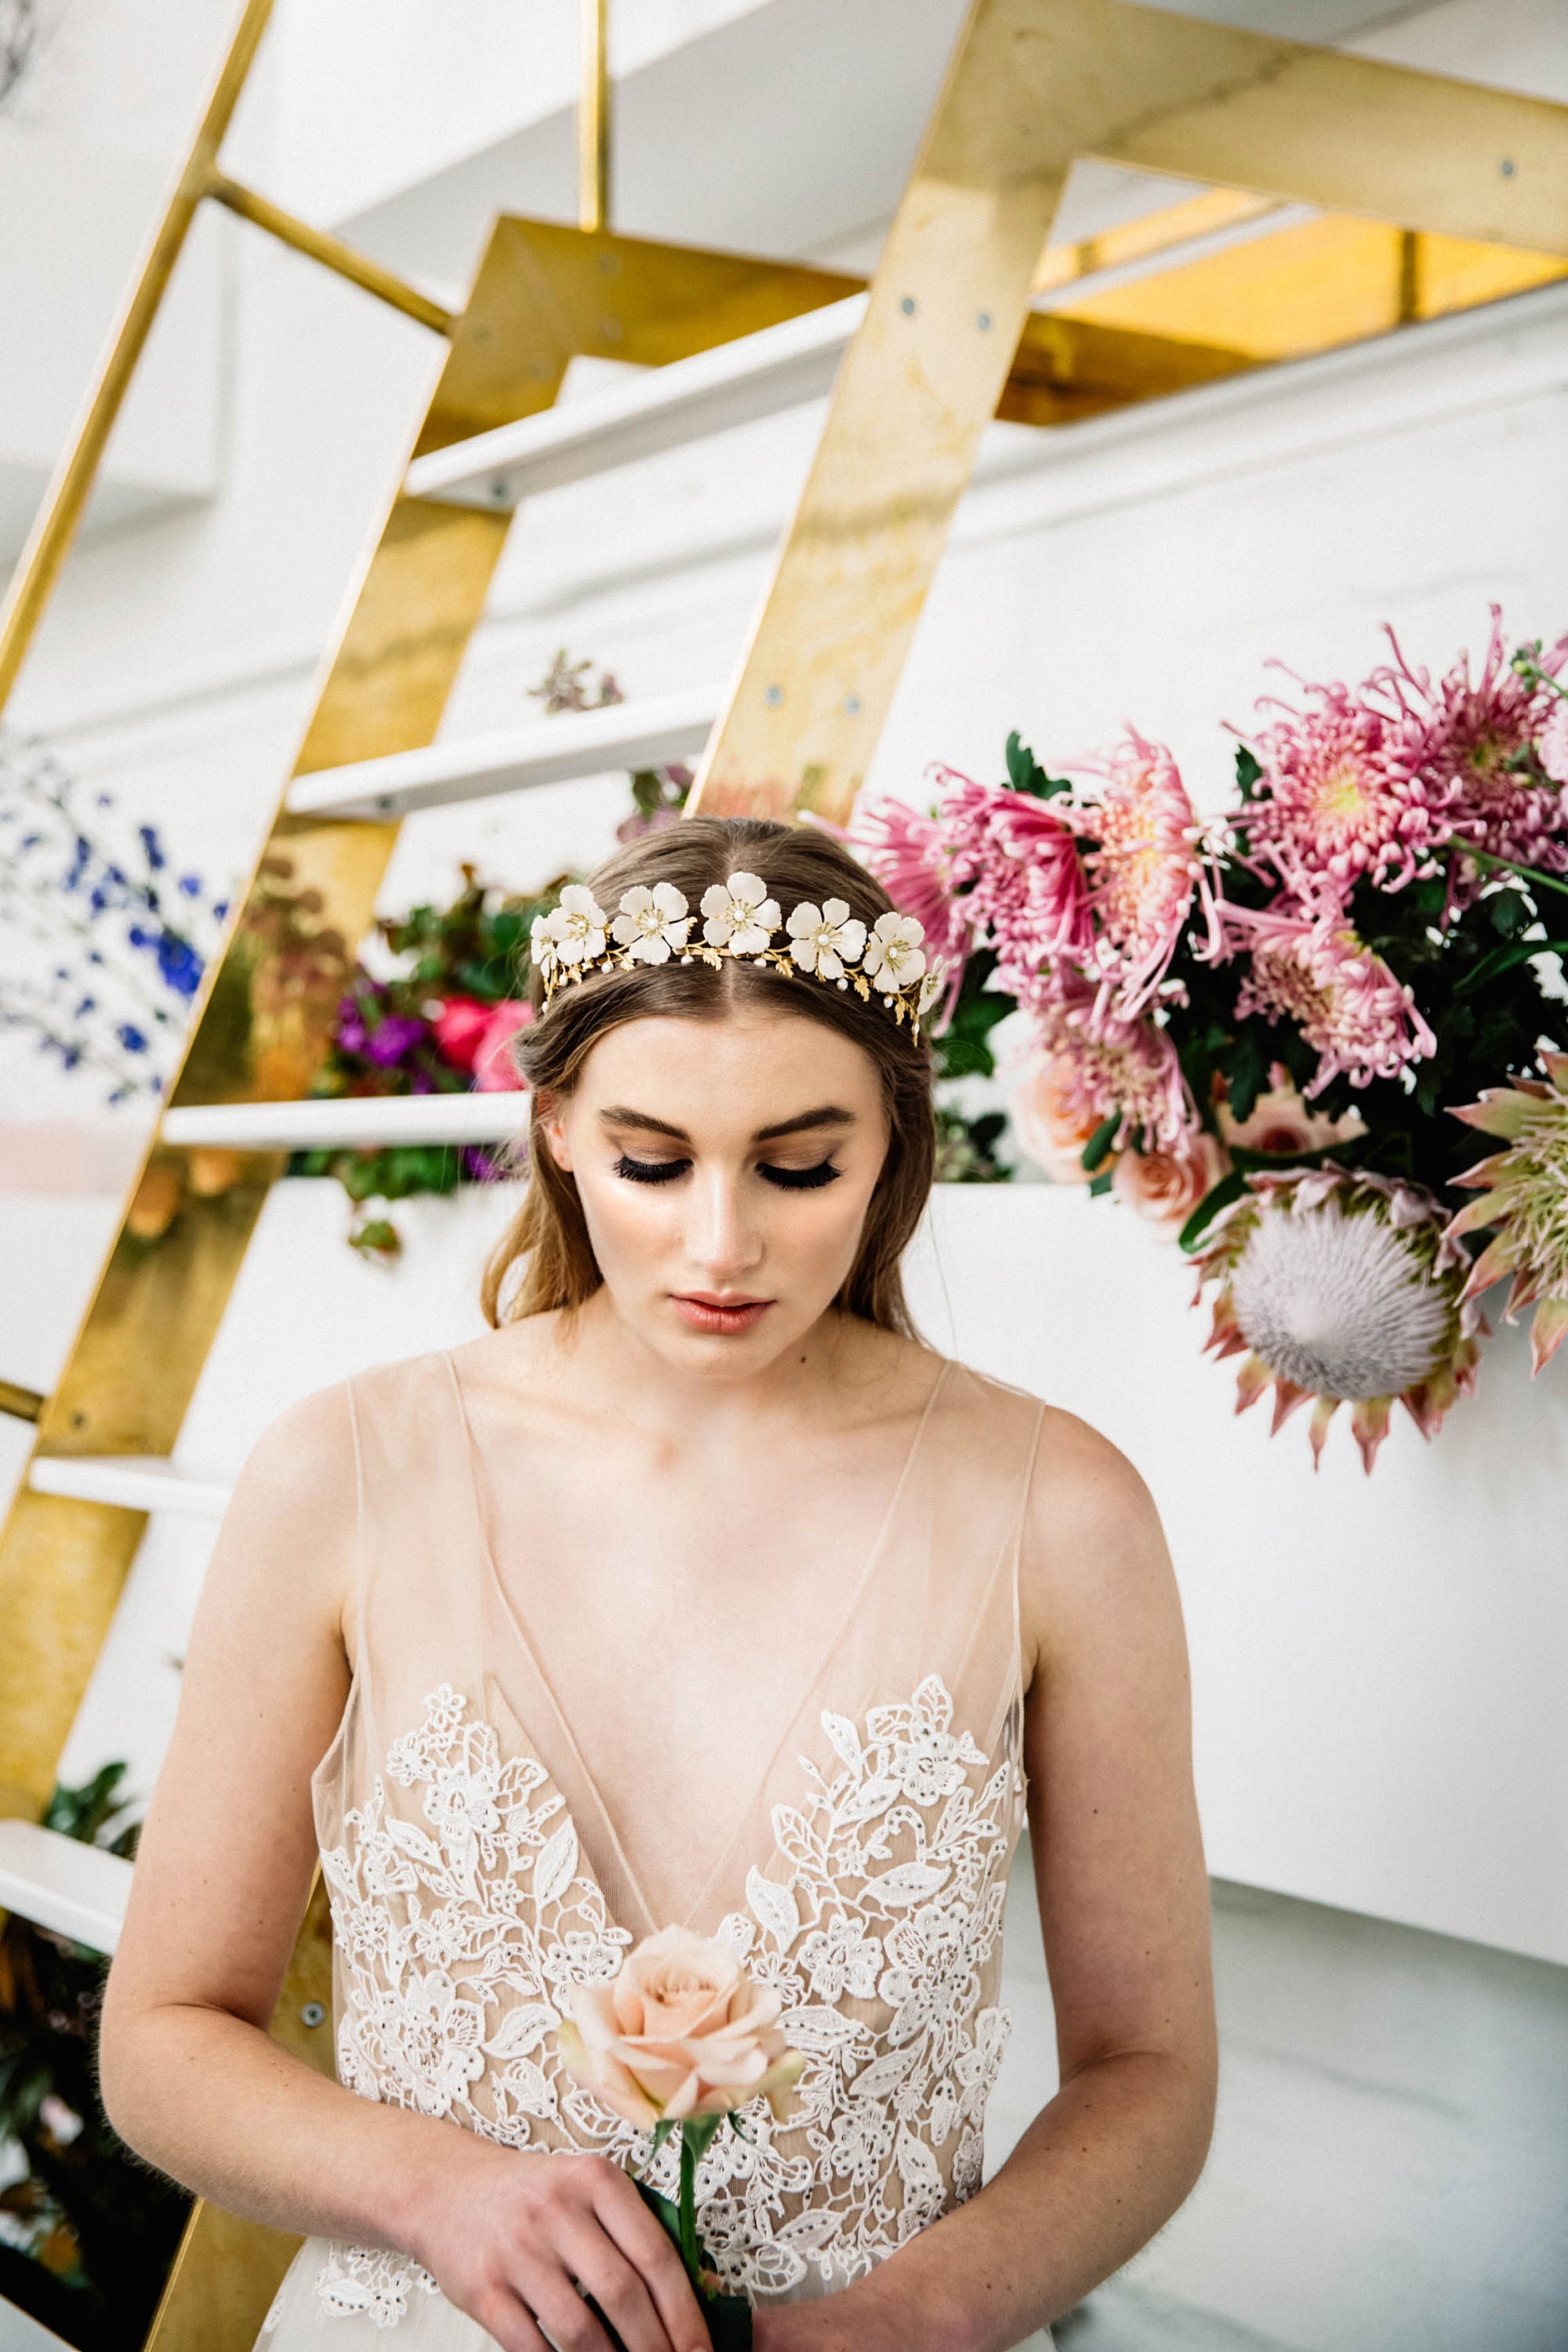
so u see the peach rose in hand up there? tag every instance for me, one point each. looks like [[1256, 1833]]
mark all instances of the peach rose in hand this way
[[1165, 1187], [681, 2031]]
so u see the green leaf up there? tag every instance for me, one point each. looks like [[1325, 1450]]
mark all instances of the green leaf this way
[[1220, 1196], [1249, 772], [1099, 1186], [1096, 1150], [1025, 774], [1506, 959]]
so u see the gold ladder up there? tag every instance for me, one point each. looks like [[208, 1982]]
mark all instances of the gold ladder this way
[[969, 316]]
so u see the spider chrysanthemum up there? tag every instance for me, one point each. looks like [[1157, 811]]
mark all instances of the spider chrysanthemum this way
[[1523, 1195], [1344, 1289]]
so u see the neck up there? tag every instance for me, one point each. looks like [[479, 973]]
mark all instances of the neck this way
[[672, 1405]]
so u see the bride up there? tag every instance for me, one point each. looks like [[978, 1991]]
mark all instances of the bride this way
[[698, 1592]]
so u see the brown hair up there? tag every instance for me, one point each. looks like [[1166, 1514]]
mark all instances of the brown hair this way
[[545, 1259]]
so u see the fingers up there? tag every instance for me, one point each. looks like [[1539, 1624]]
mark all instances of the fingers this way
[[502, 2316], [602, 2270], [633, 2230]]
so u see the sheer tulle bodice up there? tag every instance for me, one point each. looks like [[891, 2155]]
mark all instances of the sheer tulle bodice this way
[[858, 1861]]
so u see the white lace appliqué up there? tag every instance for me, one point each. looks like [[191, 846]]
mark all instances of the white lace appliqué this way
[[458, 1940]]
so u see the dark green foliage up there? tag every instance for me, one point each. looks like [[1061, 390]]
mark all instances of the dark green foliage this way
[[1025, 774], [98, 2229]]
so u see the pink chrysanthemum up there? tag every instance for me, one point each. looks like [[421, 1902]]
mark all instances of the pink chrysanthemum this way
[[909, 854], [1029, 896], [1470, 740], [1349, 1006], [1144, 871], [1332, 801], [1126, 1070]]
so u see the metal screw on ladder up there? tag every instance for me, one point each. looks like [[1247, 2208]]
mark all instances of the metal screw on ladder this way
[[984, 322], [312, 2014], [774, 697], [852, 705], [1509, 167], [907, 306]]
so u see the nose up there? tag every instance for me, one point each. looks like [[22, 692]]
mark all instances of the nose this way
[[724, 1234]]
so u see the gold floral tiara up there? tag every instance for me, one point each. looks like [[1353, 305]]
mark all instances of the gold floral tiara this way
[[740, 921]]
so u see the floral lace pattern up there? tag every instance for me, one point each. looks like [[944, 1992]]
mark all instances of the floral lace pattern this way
[[458, 1940]]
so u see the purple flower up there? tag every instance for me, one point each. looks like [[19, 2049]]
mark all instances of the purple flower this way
[[391, 1038]]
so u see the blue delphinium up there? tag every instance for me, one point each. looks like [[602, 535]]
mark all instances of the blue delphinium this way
[[117, 953]]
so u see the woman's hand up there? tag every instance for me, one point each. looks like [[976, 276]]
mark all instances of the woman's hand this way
[[511, 2237]]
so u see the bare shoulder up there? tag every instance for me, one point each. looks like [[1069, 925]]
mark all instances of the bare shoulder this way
[[287, 1539], [1093, 1556]]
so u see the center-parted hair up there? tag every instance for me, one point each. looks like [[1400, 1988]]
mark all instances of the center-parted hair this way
[[545, 1259]]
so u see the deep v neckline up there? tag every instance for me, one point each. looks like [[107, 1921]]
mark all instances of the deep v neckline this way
[[587, 1782]]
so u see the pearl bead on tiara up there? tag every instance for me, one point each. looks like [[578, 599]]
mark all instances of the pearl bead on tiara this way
[[741, 920]]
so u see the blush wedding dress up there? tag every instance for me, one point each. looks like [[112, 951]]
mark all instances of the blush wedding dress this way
[[475, 1871]]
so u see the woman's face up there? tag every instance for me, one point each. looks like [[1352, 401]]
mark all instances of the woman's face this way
[[725, 1168]]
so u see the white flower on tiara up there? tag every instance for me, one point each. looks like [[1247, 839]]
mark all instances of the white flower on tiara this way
[[651, 923], [576, 929], [824, 938], [894, 952], [738, 915], [930, 989]]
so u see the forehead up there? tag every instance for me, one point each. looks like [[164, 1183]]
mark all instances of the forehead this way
[[752, 1066]]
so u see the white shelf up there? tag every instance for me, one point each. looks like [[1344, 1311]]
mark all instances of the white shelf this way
[[646, 734], [348, 1125], [78, 1890], [133, 1482], [735, 383]]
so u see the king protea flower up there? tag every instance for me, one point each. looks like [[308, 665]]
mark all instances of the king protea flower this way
[[1345, 1288], [1526, 1199]]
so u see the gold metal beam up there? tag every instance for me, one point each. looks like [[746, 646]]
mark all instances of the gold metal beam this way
[[61, 511], [594, 118], [330, 252], [1033, 85], [20, 1404]]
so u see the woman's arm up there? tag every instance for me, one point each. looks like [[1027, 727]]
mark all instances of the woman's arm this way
[[1123, 1898], [191, 2077]]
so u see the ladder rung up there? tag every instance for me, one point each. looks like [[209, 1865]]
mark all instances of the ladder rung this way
[[59, 1882], [357, 1123], [735, 383], [134, 1481], [646, 734]]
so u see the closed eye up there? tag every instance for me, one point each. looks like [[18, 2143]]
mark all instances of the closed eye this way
[[800, 1180], [651, 1172]]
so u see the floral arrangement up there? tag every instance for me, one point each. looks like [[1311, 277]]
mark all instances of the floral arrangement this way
[[1270, 1032], [679, 2043], [439, 1021], [118, 939], [87, 2231]]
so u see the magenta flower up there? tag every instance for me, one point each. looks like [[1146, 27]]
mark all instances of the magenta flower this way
[[1144, 871], [1349, 1006], [1471, 742], [907, 853], [1335, 799], [1027, 895], [1108, 1068]]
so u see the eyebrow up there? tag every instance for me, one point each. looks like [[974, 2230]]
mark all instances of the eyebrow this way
[[830, 1115]]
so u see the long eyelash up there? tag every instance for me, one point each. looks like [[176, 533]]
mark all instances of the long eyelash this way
[[801, 1180], [651, 1172]]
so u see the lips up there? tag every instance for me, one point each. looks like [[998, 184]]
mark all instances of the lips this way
[[725, 1317]]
